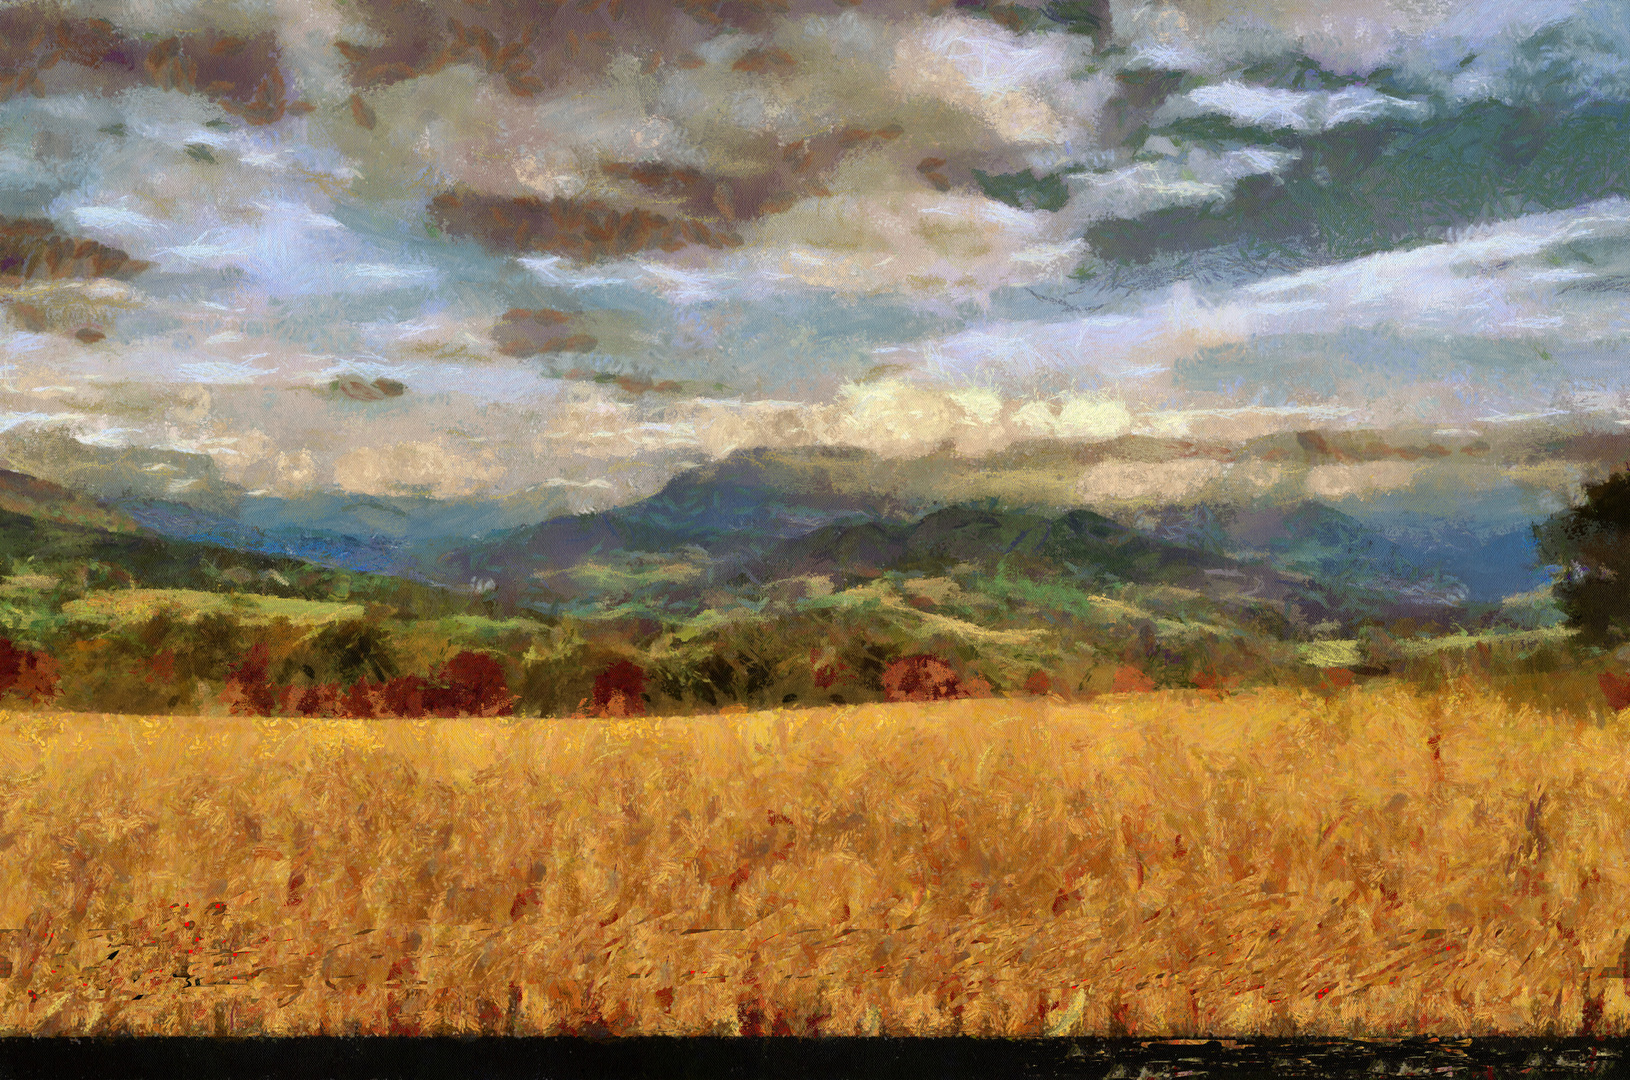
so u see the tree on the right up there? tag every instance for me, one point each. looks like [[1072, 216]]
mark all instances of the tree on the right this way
[[1590, 546]]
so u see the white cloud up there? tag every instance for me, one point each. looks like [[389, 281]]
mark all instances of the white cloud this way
[[1139, 481], [414, 466], [1190, 176], [555, 270], [223, 371], [394, 273], [1350, 481], [1302, 111], [120, 219]]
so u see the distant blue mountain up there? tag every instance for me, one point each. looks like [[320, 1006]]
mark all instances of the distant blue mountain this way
[[760, 514], [1492, 568], [736, 509], [397, 536], [1431, 560], [372, 554]]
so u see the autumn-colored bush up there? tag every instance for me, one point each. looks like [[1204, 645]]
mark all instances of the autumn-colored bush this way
[[319, 699], [27, 674], [1038, 684], [1215, 683], [922, 677], [1337, 678], [249, 691], [619, 690], [1131, 680], [470, 684], [562, 664], [1616, 688]]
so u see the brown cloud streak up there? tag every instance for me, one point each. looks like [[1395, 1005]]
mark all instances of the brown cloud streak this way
[[31, 248], [240, 74], [535, 46], [588, 229]]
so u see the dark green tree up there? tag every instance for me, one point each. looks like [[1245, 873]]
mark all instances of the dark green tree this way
[[1590, 546], [356, 649]]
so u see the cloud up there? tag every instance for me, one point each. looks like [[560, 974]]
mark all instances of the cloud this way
[[877, 296], [1011, 84], [1342, 35], [248, 199], [114, 219], [878, 233], [1495, 282], [1165, 482], [472, 132], [1180, 176], [1076, 418], [223, 371], [1301, 111], [415, 467], [1349, 481]]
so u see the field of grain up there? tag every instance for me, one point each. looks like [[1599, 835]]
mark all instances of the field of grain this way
[[1374, 862]]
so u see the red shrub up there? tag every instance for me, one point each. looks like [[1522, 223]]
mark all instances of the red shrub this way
[[470, 684], [1214, 683], [618, 690], [473, 685], [922, 678], [37, 681], [404, 696], [247, 686], [319, 700], [1337, 677], [1129, 680], [359, 700], [11, 663], [31, 675], [1038, 684], [1616, 688], [828, 670]]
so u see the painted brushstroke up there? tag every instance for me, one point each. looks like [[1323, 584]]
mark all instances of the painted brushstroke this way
[[881, 516], [1266, 865], [888, 225]]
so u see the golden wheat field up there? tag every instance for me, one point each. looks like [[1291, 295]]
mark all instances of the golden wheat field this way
[[1380, 862]]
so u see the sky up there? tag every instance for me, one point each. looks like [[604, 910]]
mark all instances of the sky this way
[[473, 249]]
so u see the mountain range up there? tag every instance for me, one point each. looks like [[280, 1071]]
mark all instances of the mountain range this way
[[739, 525]]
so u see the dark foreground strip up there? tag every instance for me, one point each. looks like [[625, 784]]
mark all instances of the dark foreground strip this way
[[715, 1059]]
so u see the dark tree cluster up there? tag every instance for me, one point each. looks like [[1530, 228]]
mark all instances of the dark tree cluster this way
[[1590, 546]]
